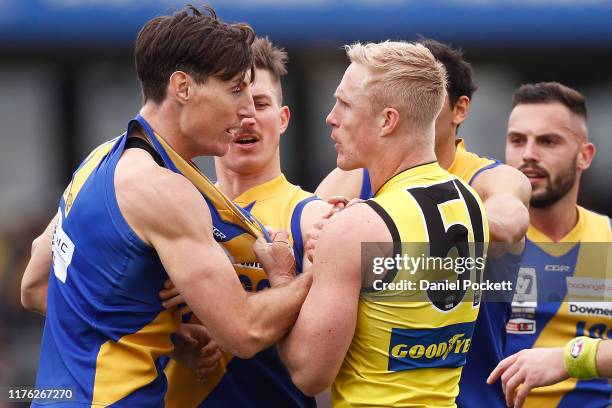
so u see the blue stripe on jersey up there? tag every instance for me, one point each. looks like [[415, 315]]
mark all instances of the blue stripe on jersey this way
[[270, 387], [488, 167], [582, 395], [296, 231], [488, 341], [366, 186]]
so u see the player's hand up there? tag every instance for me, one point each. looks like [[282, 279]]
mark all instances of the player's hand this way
[[171, 297], [196, 349], [276, 257], [312, 235], [527, 369]]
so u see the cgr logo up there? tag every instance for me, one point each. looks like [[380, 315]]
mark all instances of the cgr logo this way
[[428, 348], [556, 268]]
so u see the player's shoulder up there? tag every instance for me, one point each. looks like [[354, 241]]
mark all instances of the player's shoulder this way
[[597, 224], [152, 194], [364, 222]]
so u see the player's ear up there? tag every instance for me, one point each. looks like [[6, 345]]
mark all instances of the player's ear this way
[[179, 86], [285, 115], [389, 120], [461, 110], [585, 156]]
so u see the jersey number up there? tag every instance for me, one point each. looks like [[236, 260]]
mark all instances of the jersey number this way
[[443, 239]]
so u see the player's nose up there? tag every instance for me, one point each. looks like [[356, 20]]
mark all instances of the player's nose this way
[[530, 152]]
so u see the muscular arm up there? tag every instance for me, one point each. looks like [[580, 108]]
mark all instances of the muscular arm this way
[[505, 193], [341, 183], [170, 214], [316, 346], [35, 279]]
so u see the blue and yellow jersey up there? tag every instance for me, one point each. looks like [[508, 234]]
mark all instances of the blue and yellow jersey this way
[[106, 334], [409, 351], [105, 331], [546, 314], [262, 381]]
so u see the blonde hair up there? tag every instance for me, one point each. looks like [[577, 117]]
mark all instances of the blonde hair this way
[[404, 76]]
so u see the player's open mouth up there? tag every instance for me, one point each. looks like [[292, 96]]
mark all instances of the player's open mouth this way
[[246, 139]]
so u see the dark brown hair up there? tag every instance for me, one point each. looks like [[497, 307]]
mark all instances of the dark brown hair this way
[[194, 41], [270, 58], [458, 70], [546, 92]]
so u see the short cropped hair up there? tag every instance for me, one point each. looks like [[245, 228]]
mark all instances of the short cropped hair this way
[[270, 58], [405, 76], [547, 92], [458, 70], [194, 41]]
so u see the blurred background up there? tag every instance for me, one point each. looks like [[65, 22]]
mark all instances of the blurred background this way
[[67, 83]]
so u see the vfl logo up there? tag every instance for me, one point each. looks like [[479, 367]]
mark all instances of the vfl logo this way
[[428, 348], [577, 348], [557, 268]]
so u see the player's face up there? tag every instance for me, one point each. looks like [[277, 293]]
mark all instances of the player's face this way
[[543, 143], [255, 144], [352, 119], [214, 113]]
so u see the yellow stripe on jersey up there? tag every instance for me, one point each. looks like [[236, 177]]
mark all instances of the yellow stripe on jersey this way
[[127, 365], [466, 164], [410, 353], [82, 174]]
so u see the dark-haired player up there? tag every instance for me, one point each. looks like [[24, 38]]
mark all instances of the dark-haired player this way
[[130, 219], [548, 141]]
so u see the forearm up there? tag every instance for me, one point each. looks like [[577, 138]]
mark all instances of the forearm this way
[[267, 321], [508, 218], [604, 359], [35, 280]]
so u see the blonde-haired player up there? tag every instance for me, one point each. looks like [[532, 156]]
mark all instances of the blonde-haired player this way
[[383, 120]]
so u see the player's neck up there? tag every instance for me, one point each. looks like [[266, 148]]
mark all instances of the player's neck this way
[[445, 151], [395, 161], [557, 220], [166, 126], [234, 183]]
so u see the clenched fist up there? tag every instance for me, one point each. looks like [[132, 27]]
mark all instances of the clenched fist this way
[[276, 257]]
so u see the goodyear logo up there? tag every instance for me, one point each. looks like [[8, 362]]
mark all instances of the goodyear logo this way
[[430, 348]]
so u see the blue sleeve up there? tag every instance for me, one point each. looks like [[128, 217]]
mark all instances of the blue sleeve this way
[[296, 232]]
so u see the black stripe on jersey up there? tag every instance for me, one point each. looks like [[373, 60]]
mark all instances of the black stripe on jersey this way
[[138, 143], [398, 173], [395, 236]]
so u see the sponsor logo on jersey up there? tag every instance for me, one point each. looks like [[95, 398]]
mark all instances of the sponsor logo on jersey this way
[[521, 326], [556, 268], [219, 236], [590, 308], [429, 348]]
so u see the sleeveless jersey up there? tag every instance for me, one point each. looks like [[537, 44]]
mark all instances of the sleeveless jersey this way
[[105, 330], [489, 337], [546, 314], [262, 381], [106, 335], [410, 351]]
